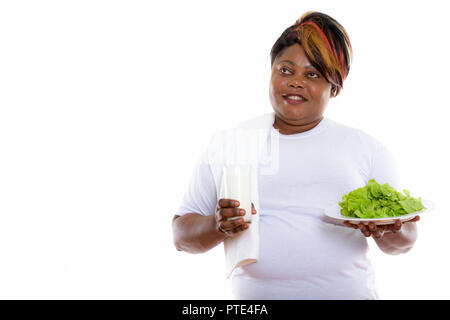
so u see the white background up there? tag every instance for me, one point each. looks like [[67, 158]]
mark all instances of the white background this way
[[106, 105]]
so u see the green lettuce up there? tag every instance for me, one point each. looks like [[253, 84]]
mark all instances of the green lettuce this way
[[378, 201]]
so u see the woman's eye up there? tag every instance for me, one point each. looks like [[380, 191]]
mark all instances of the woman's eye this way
[[285, 70], [312, 75]]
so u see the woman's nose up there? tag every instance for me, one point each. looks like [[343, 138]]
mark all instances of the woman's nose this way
[[295, 83]]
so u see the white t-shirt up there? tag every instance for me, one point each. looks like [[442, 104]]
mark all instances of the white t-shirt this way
[[301, 256]]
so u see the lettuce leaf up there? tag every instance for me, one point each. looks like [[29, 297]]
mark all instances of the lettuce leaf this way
[[378, 201]]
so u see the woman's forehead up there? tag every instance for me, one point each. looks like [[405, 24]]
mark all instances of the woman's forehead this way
[[295, 56]]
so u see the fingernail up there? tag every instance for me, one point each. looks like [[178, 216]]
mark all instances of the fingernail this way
[[242, 212]]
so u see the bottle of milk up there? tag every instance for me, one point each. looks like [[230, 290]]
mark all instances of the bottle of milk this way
[[238, 186]]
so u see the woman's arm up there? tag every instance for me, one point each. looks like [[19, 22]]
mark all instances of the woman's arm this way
[[195, 233]]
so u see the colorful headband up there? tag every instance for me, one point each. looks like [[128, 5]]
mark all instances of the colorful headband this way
[[324, 52]]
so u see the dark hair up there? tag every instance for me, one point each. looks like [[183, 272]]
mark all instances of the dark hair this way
[[326, 44]]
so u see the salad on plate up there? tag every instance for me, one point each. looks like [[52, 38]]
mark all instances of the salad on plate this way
[[375, 201]]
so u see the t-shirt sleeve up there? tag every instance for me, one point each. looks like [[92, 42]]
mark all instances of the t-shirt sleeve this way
[[385, 167], [200, 196]]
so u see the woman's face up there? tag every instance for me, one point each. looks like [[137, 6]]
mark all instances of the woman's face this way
[[298, 92]]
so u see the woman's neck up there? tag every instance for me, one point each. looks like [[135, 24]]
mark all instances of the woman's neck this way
[[287, 128]]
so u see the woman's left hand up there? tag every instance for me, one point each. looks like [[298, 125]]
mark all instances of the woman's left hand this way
[[377, 231]]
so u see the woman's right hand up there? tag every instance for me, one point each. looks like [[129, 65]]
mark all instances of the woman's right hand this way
[[229, 208]]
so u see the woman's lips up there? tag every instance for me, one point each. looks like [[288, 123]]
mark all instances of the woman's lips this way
[[294, 98]]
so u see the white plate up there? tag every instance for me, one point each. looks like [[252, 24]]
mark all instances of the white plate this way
[[334, 212]]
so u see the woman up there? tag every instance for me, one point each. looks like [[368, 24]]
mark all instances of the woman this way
[[300, 255]]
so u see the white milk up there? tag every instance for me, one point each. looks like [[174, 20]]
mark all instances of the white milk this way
[[238, 186]]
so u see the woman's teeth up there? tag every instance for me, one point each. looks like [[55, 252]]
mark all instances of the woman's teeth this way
[[294, 98]]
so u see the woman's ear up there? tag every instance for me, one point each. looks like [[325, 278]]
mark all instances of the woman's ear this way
[[333, 92]]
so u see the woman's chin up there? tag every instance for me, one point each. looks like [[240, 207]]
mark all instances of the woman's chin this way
[[293, 114]]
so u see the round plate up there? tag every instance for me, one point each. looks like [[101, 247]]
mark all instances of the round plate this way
[[334, 212]]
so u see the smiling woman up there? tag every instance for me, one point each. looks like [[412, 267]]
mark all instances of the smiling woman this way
[[316, 53], [290, 250], [326, 45], [298, 92]]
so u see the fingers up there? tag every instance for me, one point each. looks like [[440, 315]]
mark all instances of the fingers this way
[[415, 219], [374, 230], [367, 230], [253, 209], [396, 227], [377, 231], [228, 203], [227, 213], [371, 229], [350, 225], [364, 229], [230, 218], [231, 227], [228, 208]]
